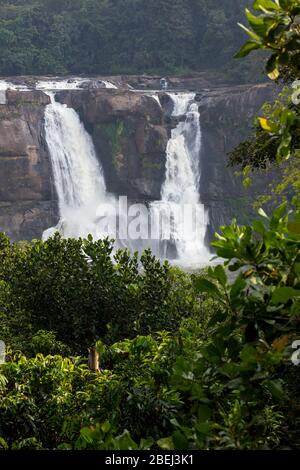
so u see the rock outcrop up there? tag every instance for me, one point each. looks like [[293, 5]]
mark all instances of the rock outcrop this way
[[130, 137], [26, 206], [227, 116]]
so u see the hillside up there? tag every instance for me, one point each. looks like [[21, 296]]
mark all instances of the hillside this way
[[123, 36]]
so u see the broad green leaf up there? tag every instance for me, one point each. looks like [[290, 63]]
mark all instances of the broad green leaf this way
[[247, 48], [219, 274], [203, 428], [105, 427], [265, 5], [237, 287], [146, 444], [249, 32], [125, 442], [203, 285], [282, 295], [259, 227], [166, 443], [204, 413], [180, 442], [249, 354], [257, 23], [297, 269]]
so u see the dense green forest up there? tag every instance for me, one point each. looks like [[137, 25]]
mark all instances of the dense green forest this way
[[121, 36]]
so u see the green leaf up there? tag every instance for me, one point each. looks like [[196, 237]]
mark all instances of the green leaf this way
[[87, 435], [249, 32], [282, 295], [262, 213], [146, 444], [166, 443], [259, 227], [125, 442], [219, 274], [204, 413], [279, 212], [106, 427], [203, 285], [257, 23], [247, 183], [297, 269], [180, 442], [265, 5], [247, 48], [203, 428], [3, 444], [249, 354], [237, 287], [275, 388]]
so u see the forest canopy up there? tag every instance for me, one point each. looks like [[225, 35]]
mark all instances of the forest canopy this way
[[122, 36]]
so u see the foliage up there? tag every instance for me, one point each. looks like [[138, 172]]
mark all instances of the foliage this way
[[276, 138], [119, 36], [222, 379], [79, 291], [275, 29]]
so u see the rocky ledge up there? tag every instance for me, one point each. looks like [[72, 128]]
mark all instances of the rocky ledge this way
[[130, 131]]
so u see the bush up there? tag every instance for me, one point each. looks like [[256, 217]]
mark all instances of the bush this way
[[221, 378], [79, 291]]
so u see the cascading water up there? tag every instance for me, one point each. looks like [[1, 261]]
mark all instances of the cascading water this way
[[180, 191], [78, 176], [81, 189]]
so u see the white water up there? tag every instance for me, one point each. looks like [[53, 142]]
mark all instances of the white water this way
[[78, 176], [181, 187], [109, 85], [4, 85], [70, 84], [81, 189], [51, 85]]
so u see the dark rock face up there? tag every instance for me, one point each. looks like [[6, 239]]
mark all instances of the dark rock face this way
[[130, 138], [130, 132], [26, 207], [226, 118]]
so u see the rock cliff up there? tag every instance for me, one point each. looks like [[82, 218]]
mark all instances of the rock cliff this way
[[130, 132], [26, 206], [227, 116]]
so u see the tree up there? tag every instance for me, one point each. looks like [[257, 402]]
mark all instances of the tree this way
[[276, 140]]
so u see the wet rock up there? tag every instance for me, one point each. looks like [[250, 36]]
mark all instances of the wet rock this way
[[27, 205]]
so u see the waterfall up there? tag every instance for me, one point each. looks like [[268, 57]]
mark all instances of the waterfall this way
[[180, 192], [78, 176], [81, 189]]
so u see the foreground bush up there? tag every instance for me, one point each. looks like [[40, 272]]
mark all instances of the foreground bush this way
[[222, 378], [80, 291]]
